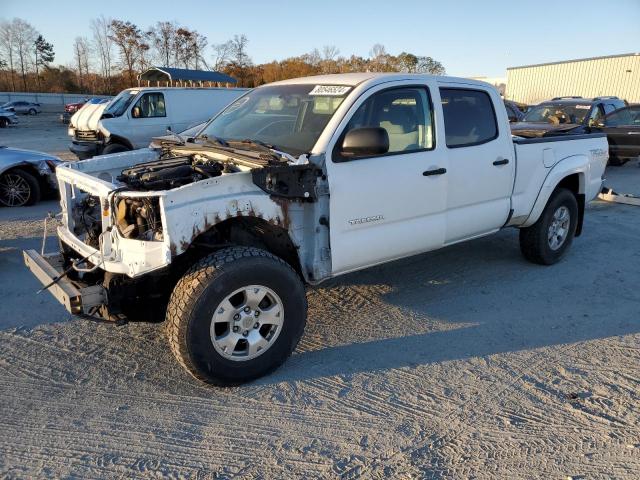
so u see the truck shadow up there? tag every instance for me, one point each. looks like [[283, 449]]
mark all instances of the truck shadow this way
[[470, 300]]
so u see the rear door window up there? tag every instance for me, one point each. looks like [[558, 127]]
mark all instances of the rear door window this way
[[469, 117]]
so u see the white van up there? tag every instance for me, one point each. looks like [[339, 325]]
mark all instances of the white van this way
[[136, 115]]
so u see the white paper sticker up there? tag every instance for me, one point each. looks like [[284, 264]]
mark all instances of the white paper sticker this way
[[329, 90], [583, 107]]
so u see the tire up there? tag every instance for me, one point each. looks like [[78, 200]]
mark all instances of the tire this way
[[33, 111], [537, 244], [19, 182], [197, 300], [4, 123], [617, 161], [114, 148]]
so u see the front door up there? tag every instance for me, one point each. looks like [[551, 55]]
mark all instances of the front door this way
[[148, 119], [623, 132], [390, 205]]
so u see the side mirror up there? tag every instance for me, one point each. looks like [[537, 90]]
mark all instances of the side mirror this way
[[363, 142], [135, 112]]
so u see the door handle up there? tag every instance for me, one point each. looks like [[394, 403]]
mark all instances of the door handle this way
[[502, 161], [437, 171]]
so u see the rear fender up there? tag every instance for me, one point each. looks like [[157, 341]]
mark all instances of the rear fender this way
[[576, 164]]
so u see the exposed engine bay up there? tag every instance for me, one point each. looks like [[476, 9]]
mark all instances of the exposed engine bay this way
[[170, 173], [139, 217]]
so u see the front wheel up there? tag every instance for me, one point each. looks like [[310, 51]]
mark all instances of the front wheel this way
[[546, 241], [236, 315], [33, 111], [114, 148]]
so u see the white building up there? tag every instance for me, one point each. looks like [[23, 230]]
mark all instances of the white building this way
[[617, 75]]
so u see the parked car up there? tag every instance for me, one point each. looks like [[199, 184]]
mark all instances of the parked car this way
[[623, 133], [7, 118], [565, 114], [297, 182], [137, 115], [25, 175], [72, 108], [514, 111], [26, 108]]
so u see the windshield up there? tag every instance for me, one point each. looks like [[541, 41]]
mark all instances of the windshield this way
[[119, 104], [290, 118], [557, 114]]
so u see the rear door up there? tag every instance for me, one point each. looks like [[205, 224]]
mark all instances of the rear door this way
[[623, 132], [481, 161], [390, 205]]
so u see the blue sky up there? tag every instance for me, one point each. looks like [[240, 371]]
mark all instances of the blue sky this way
[[470, 38]]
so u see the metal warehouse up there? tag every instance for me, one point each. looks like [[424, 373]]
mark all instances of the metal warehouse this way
[[617, 75]]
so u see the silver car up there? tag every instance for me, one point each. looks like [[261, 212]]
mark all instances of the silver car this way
[[7, 118], [26, 108], [25, 175]]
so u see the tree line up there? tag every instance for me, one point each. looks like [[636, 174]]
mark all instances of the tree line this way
[[116, 51]]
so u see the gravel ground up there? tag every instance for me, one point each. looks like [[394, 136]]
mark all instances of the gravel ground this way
[[468, 362]]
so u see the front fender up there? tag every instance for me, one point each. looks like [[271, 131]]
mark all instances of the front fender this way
[[575, 164]]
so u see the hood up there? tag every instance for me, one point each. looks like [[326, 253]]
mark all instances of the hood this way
[[10, 157], [87, 117], [532, 130]]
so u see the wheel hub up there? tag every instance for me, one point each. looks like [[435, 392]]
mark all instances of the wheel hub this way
[[247, 322], [559, 228]]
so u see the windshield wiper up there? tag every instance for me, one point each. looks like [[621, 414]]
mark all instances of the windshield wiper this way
[[260, 146], [213, 139]]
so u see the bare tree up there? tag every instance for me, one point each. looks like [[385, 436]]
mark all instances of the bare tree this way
[[379, 59], [130, 41], [24, 36], [239, 51], [7, 40], [221, 55], [81, 54], [103, 46], [163, 39]]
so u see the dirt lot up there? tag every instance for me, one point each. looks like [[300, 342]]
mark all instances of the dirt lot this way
[[468, 362]]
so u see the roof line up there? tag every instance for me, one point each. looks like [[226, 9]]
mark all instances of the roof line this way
[[575, 60]]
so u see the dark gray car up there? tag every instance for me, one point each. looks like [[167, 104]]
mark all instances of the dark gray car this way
[[25, 175], [26, 108]]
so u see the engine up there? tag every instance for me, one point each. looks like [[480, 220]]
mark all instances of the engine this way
[[170, 173]]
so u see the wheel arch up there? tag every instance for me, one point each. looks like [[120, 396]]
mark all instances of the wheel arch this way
[[570, 174], [250, 231], [120, 141]]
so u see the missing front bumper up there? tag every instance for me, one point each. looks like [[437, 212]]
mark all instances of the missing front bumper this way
[[77, 300]]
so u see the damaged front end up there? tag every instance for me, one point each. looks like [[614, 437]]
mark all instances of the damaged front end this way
[[127, 220]]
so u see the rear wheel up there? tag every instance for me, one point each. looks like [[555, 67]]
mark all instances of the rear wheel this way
[[33, 111], [546, 241], [18, 189], [236, 315], [617, 161], [3, 122]]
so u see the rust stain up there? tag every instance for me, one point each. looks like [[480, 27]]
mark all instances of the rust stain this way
[[284, 206]]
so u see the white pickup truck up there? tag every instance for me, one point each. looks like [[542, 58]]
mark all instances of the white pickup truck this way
[[297, 182]]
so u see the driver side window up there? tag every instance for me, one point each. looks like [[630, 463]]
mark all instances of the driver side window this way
[[149, 105], [405, 114]]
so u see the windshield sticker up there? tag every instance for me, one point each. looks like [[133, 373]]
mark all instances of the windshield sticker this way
[[329, 90], [583, 107]]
